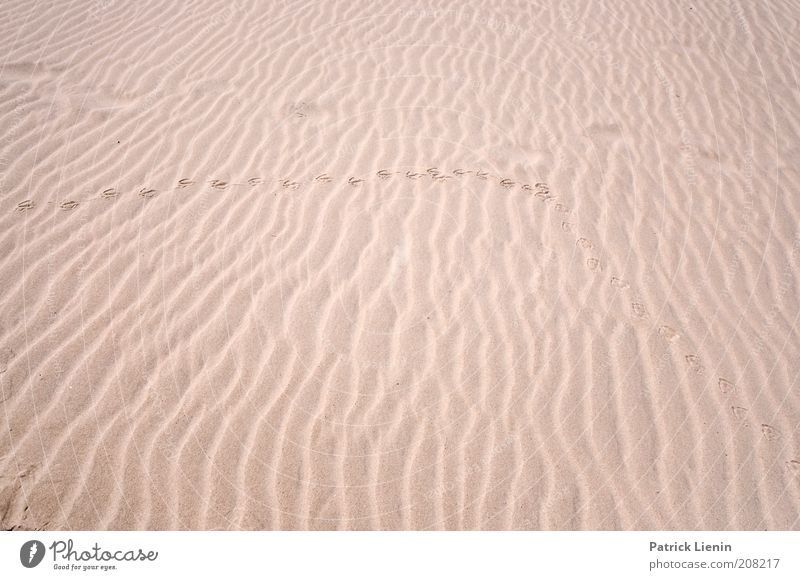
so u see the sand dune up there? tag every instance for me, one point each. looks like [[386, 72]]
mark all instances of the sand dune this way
[[342, 266]]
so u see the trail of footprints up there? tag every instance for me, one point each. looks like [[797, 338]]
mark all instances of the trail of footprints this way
[[540, 190], [694, 363]]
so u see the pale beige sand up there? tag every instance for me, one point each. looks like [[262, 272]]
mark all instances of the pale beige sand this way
[[288, 339]]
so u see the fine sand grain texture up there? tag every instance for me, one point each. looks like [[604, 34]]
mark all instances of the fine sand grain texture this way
[[352, 265]]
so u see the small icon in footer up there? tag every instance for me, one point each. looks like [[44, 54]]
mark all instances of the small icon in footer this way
[[31, 553]]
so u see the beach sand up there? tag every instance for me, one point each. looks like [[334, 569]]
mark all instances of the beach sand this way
[[344, 265]]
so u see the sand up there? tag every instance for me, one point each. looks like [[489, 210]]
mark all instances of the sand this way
[[344, 265]]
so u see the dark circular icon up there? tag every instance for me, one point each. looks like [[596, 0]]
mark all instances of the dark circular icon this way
[[31, 553]]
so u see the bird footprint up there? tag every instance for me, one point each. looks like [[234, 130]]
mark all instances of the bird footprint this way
[[619, 282], [322, 178], [412, 175], [694, 363], [185, 183], [25, 205], [289, 184], [218, 184], [109, 193], [461, 172], [725, 386], [355, 182], [253, 181], [68, 205], [384, 174], [668, 333], [739, 412], [147, 193], [507, 183], [770, 433], [481, 174]]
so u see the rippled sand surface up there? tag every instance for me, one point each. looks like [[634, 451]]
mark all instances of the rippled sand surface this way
[[344, 265]]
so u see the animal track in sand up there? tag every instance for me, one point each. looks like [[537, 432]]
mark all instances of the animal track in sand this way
[[546, 197], [435, 173], [770, 433], [542, 191], [668, 333], [299, 109], [25, 205], [739, 412], [694, 363]]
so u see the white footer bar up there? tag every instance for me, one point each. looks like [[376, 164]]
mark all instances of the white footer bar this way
[[414, 555]]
